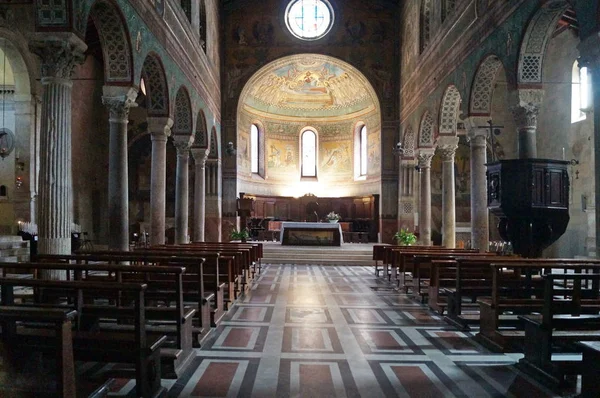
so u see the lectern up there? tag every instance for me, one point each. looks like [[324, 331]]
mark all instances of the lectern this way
[[531, 198]]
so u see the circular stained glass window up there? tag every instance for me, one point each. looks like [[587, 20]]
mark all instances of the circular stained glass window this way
[[309, 19]]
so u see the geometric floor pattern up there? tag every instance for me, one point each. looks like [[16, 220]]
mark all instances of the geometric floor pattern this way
[[325, 331]]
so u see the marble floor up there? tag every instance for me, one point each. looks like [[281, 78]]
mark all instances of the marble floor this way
[[326, 331]]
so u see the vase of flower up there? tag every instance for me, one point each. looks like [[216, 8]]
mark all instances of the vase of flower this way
[[333, 217]]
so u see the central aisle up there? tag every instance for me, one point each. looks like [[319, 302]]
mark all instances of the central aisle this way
[[317, 331]]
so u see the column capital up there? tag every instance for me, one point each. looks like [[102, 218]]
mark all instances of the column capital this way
[[473, 125], [447, 147], [59, 53], [525, 106], [183, 144], [119, 100], [160, 127], [200, 155], [424, 157], [589, 50]]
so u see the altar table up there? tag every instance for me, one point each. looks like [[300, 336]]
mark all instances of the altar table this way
[[311, 233]]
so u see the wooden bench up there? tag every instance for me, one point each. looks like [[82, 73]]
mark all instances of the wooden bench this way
[[201, 288], [163, 284], [59, 321], [518, 289], [567, 317], [590, 388], [137, 347], [474, 278]]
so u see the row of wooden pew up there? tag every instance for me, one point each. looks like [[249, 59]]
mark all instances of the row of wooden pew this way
[[544, 308], [147, 309]]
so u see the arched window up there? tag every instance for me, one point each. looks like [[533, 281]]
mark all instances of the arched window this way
[[254, 151], [425, 26], [363, 150], [309, 153], [580, 92]]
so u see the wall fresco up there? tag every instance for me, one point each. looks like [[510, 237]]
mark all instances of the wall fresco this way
[[336, 156], [281, 156]]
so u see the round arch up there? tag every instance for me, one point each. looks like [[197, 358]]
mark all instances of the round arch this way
[[535, 41], [115, 42], [449, 108], [183, 120], [483, 86], [157, 90], [201, 137], [426, 131]]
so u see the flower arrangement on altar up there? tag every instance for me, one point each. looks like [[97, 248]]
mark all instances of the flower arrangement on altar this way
[[333, 217]]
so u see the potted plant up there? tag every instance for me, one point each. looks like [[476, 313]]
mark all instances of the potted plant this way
[[242, 235], [333, 217], [405, 238]]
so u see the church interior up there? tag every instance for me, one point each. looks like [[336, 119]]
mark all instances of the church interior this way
[[299, 198]]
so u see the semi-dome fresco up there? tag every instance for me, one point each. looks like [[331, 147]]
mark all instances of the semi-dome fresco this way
[[309, 93], [309, 85]]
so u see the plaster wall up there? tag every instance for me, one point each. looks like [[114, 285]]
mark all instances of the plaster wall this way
[[555, 131]]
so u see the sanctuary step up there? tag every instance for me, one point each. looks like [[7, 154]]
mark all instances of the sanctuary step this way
[[13, 249], [360, 254]]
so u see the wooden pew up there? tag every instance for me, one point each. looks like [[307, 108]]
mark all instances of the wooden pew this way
[[590, 388], [138, 348], [474, 278], [59, 321], [221, 272], [571, 313], [238, 263], [517, 289], [379, 254], [402, 259], [163, 284], [201, 284], [421, 269]]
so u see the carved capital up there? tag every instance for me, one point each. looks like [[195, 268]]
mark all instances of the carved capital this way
[[447, 152], [59, 54], [119, 100], [424, 158], [525, 106], [160, 127], [183, 144], [200, 156]]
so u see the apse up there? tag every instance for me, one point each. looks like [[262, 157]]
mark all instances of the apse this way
[[309, 124]]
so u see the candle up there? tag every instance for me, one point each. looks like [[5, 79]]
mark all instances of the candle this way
[[563, 158]]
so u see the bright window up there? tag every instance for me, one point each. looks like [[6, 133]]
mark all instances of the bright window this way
[[309, 19], [254, 148], [580, 93], [309, 154], [363, 151]]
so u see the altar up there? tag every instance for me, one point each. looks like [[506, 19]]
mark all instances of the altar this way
[[311, 234]]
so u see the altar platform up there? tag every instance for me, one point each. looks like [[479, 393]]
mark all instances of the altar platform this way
[[311, 234], [355, 254]]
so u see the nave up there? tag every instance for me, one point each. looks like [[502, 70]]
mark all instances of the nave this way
[[334, 331]]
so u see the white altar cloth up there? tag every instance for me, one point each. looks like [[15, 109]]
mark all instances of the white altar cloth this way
[[311, 225]]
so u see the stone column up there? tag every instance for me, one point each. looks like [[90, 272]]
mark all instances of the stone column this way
[[118, 100], [59, 54], [589, 49], [182, 191], [525, 108], [480, 230], [424, 160], [213, 220], [200, 155], [160, 130], [447, 149]]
